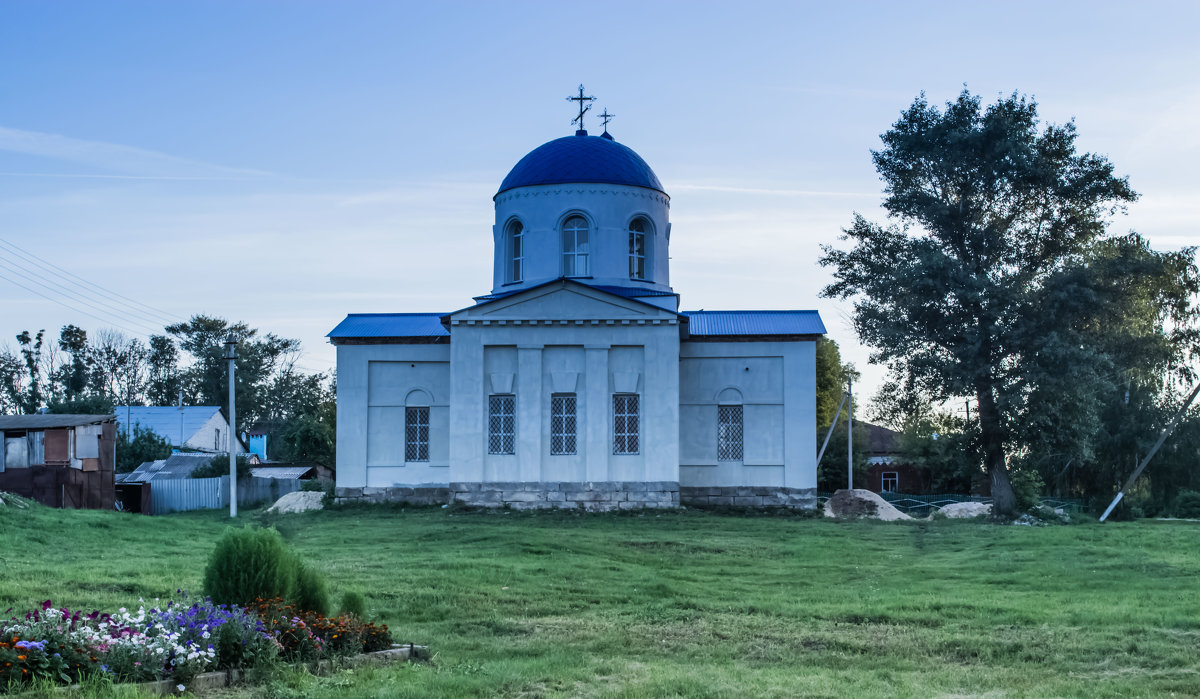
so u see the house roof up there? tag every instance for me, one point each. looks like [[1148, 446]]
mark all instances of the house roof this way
[[735, 323], [881, 440], [164, 420], [280, 471], [174, 466], [701, 323], [390, 325], [49, 422]]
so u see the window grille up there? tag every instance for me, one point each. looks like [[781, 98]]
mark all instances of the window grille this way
[[502, 424], [575, 247], [626, 423], [637, 249], [562, 423], [416, 434], [729, 433], [516, 243], [891, 481]]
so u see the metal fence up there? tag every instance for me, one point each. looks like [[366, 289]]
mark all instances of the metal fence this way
[[183, 494], [922, 505]]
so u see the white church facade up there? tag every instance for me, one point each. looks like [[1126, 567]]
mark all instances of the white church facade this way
[[577, 382]]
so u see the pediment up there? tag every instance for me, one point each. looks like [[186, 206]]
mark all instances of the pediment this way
[[566, 301]]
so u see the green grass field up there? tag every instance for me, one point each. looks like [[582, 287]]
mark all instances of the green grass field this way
[[687, 603]]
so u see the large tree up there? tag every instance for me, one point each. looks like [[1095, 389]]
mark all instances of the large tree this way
[[990, 286]]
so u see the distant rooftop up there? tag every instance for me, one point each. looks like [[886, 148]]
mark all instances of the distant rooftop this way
[[49, 422]]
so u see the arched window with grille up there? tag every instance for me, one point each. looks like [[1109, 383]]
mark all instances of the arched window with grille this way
[[514, 242], [729, 425], [575, 246], [639, 228]]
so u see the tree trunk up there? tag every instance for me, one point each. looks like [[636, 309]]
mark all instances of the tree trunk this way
[[991, 431]]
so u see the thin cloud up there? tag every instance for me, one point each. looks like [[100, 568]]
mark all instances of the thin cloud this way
[[769, 192], [128, 160]]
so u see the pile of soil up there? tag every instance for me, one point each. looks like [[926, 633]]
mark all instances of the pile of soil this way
[[862, 504], [299, 501]]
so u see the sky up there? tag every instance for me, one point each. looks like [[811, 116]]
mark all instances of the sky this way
[[287, 163]]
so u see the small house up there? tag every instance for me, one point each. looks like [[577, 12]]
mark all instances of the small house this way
[[200, 427]]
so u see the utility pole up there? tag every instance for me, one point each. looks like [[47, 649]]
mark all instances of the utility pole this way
[[181, 420], [231, 355], [850, 434], [1153, 450]]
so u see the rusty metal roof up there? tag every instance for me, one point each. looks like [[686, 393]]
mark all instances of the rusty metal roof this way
[[49, 422]]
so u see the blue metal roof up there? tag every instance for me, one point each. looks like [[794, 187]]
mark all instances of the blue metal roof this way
[[390, 325], [164, 420], [701, 323], [581, 158]]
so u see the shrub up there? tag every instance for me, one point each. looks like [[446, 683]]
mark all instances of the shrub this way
[[312, 486], [219, 466], [251, 564], [1027, 489], [1187, 504], [354, 604], [312, 594], [248, 564]]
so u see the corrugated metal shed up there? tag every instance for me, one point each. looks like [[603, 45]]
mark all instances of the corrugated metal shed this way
[[49, 422], [390, 325], [733, 323], [164, 420], [174, 466]]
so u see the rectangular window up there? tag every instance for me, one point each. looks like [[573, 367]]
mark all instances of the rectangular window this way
[[516, 273], [891, 481], [502, 424], [416, 434], [626, 423], [637, 255], [562, 423], [729, 433]]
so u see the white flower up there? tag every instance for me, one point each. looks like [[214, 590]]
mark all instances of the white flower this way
[[180, 687]]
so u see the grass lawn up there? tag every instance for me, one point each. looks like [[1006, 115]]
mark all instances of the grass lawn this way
[[687, 603]]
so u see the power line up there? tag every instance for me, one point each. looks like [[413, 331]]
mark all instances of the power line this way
[[67, 305], [163, 315], [55, 287], [73, 296]]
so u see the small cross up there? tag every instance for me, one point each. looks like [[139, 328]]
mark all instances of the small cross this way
[[583, 106], [606, 117]]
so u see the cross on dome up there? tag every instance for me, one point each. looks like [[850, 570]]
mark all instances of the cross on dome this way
[[584, 106], [605, 117]]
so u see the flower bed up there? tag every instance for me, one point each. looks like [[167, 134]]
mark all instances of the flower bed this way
[[176, 642]]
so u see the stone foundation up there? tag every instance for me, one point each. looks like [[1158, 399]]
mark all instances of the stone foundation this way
[[749, 496], [411, 495], [596, 496]]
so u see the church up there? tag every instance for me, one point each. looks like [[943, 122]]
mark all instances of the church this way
[[576, 381]]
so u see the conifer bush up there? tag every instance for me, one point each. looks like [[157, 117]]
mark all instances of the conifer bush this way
[[354, 604], [312, 594], [249, 564]]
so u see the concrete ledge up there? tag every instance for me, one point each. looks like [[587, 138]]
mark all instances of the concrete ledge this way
[[749, 496], [209, 681]]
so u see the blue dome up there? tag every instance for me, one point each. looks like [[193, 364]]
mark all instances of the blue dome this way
[[581, 158]]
